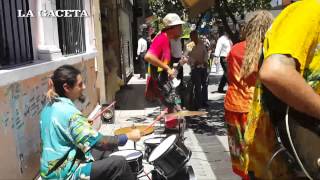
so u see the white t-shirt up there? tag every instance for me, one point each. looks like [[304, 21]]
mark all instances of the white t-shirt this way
[[223, 46], [142, 46], [176, 48]]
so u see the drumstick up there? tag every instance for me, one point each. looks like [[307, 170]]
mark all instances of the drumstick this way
[[103, 111], [157, 119]]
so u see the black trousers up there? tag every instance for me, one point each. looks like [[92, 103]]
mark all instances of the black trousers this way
[[224, 78], [110, 168], [143, 69], [199, 79]]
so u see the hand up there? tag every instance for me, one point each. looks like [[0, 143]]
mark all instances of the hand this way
[[134, 135], [90, 121], [170, 73], [183, 60]]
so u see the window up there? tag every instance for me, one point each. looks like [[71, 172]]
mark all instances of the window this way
[[15, 34], [71, 29]]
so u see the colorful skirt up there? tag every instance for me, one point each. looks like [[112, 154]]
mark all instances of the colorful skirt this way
[[236, 122]]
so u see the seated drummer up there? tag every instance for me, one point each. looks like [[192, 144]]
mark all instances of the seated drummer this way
[[71, 148]]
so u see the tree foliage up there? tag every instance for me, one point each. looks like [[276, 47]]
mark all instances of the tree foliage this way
[[160, 8], [224, 10]]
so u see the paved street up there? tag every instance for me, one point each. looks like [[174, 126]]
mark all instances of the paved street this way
[[205, 136]]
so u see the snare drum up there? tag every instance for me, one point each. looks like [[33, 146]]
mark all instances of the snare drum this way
[[170, 156], [134, 159], [150, 145]]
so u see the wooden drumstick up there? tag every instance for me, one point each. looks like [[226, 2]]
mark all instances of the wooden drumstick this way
[[103, 111], [152, 124]]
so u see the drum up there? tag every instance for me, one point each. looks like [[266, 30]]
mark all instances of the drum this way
[[170, 156], [150, 144], [134, 159], [186, 173]]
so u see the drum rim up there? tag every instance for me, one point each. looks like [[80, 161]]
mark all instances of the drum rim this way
[[165, 152], [144, 142]]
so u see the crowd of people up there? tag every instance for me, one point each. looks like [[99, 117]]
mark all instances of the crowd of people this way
[[275, 66]]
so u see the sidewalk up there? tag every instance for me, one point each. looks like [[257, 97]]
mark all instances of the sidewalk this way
[[205, 137]]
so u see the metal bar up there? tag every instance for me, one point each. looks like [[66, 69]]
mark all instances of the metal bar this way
[[19, 56], [2, 37], [14, 47], [29, 36]]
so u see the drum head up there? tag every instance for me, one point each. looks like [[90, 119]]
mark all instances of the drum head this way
[[162, 148], [153, 140], [128, 154]]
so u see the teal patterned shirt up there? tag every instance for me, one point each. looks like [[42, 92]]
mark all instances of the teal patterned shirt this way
[[66, 138]]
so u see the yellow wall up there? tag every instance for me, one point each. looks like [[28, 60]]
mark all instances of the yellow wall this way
[[20, 105]]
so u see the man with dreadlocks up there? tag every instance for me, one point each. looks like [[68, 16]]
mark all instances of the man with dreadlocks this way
[[289, 75], [240, 90]]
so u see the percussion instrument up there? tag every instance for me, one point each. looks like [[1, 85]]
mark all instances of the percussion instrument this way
[[301, 130], [187, 113], [186, 173], [150, 144], [134, 159], [170, 156], [145, 130]]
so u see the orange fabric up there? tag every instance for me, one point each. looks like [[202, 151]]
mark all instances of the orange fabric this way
[[236, 122], [240, 91]]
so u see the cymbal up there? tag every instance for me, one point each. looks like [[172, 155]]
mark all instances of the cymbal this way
[[143, 129], [187, 113]]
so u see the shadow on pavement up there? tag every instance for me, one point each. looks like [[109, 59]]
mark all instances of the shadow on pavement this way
[[213, 123], [131, 97]]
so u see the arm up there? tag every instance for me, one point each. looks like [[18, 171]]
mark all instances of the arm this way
[[206, 58], [278, 73], [152, 59], [111, 142], [217, 51], [139, 47]]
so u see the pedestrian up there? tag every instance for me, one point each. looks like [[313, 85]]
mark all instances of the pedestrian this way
[[141, 52], [159, 56], [288, 77], [71, 147], [223, 47], [240, 90], [198, 60]]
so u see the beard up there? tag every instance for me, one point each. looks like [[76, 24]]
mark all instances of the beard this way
[[82, 98]]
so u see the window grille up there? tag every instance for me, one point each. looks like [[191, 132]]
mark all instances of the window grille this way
[[71, 29], [15, 34]]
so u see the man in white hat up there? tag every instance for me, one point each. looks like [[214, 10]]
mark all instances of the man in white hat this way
[[159, 56]]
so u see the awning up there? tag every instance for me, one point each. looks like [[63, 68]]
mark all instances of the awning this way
[[196, 7]]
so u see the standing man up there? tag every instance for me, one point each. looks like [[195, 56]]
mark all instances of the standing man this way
[[290, 76], [159, 56], [141, 52], [198, 60], [223, 47], [176, 54], [68, 139]]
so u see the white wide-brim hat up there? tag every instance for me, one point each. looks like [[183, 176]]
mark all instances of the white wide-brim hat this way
[[172, 19]]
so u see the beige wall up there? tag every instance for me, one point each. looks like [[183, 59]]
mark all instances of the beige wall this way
[[20, 105]]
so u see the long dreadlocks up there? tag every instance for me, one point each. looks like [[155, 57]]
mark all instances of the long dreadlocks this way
[[255, 31]]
